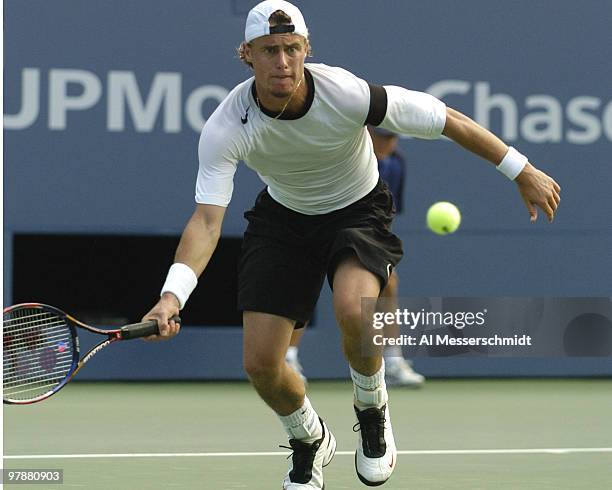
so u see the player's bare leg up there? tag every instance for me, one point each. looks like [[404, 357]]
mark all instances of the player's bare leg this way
[[376, 453], [292, 356], [266, 338], [398, 370], [296, 337], [352, 281]]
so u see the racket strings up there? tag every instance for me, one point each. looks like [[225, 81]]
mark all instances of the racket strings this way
[[39, 316], [34, 380], [38, 352], [60, 366], [26, 347], [40, 387], [26, 344], [35, 384], [28, 326]]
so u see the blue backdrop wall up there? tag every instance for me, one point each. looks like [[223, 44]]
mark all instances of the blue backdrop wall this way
[[104, 101]]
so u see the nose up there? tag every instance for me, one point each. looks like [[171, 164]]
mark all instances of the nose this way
[[281, 60]]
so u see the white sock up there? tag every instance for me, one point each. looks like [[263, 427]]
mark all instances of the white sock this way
[[303, 424], [369, 391], [292, 353]]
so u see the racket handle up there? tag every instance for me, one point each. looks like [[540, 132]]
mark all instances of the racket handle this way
[[143, 329]]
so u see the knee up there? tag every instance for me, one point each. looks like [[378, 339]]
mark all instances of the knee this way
[[261, 368], [349, 318]]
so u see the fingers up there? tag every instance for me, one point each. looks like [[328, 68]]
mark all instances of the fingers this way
[[548, 209], [164, 327], [546, 204], [172, 329], [167, 329], [533, 211], [162, 313], [540, 191], [552, 202]]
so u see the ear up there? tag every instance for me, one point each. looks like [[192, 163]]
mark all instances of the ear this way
[[246, 49]]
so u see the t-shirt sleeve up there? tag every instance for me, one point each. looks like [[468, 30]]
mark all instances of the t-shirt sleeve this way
[[348, 94], [217, 166], [413, 113]]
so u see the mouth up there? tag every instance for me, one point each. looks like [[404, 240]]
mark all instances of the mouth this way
[[283, 82], [281, 85]]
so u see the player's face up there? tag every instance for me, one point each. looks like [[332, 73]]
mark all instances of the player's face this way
[[278, 62]]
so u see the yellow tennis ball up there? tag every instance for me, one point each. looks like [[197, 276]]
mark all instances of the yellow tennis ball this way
[[443, 218]]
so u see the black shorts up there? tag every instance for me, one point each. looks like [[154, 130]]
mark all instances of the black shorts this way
[[286, 255]]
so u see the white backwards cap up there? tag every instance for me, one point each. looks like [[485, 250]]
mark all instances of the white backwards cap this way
[[258, 23]]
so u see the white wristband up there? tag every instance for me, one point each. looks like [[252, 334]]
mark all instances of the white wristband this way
[[512, 164], [181, 281]]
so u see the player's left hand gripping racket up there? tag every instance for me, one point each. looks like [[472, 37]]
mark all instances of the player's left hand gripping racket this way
[[41, 349]]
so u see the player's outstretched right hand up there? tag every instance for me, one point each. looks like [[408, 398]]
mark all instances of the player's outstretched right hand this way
[[538, 189], [166, 308]]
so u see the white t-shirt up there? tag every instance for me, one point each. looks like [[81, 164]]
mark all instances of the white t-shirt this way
[[319, 162]]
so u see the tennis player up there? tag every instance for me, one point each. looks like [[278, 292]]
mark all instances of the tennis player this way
[[324, 213]]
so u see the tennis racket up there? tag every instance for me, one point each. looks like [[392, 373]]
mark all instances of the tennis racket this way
[[41, 349]]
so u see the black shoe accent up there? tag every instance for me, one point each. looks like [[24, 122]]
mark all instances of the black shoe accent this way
[[303, 457], [372, 426]]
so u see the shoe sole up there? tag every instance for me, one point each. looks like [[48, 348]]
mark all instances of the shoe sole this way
[[368, 482]]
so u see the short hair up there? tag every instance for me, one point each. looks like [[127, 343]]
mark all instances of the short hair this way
[[277, 18]]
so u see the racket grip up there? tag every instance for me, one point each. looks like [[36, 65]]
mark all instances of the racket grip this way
[[143, 329]]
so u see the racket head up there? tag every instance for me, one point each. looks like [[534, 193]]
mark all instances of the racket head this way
[[41, 352]]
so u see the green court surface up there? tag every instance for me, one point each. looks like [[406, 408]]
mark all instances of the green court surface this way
[[464, 434]]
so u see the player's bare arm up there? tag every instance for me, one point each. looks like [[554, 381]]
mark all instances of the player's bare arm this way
[[537, 189], [198, 242]]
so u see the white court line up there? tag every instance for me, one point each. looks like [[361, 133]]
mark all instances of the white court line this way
[[560, 450]]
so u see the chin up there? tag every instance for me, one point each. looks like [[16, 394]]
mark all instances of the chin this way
[[281, 95]]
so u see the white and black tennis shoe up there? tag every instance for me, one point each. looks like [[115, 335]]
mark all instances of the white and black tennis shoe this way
[[376, 455], [308, 460]]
